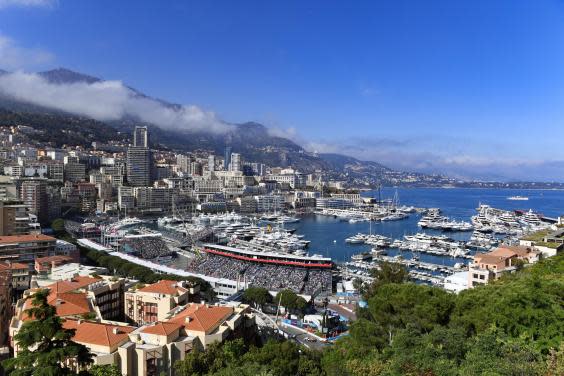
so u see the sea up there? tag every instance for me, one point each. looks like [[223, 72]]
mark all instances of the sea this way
[[328, 234]]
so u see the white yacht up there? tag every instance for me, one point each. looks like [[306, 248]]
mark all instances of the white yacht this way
[[518, 198], [356, 239], [530, 218]]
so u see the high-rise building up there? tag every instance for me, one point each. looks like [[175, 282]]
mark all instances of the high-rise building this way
[[195, 168], [14, 218], [141, 137], [211, 163], [34, 195], [139, 160], [183, 162], [235, 164], [139, 166], [227, 158]]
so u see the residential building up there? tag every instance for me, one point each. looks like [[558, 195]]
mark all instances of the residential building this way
[[269, 203], [491, 265], [211, 163], [34, 195], [43, 265], [105, 341], [21, 277], [153, 199], [235, 163], [152, 303], [139, 162], [74, 171], [332, 203], [15, 218], [156, 347], [26, 248], [141, 137]]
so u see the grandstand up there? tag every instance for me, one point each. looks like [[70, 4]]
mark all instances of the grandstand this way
[[303, 275], [146, 246]]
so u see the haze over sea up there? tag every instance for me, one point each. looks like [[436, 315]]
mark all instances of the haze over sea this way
[[457, 203]]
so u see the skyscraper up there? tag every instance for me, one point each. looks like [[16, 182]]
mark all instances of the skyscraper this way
[[235, 164], [227, 158], [34, 195], [141, 137], [211, 163], [139, 159]]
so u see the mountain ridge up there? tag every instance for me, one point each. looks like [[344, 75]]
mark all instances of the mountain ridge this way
[[252, 139]]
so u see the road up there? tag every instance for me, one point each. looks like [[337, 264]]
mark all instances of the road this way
[[293, 334], [301, 338]]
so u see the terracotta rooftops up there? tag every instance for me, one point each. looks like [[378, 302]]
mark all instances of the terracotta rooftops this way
[[95, 333], [164, 286], [13, 265], [201, 317], [25, 238], [162, 328], [56, 258], [65, 303]]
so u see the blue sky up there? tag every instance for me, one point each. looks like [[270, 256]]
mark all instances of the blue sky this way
[[471, 88]]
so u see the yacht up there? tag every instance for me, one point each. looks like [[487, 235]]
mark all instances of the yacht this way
[[518, 198], [364, 256], [530, 218], [432, 216], [356, 239], [287, 219]]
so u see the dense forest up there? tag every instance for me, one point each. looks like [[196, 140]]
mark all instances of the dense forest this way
[[514, 326]]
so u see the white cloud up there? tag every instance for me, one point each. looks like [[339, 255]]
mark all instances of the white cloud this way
[[13, 56], [107, 100], [289, 133], [418, 156], [26, 3]]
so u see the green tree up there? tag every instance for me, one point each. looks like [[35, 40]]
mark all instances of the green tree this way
[[58, 226], [104, 370], [388, 272], [44, 345], [257, 296]]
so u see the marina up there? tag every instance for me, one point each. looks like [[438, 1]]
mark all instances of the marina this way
[[420, 240]]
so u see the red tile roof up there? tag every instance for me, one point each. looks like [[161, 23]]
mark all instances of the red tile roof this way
[[76, 283], [164, 286], [70, 303], [56, 258], [161, 328], [13, 265], [201, 317], [65, 303], [95, 333], [25, 238]]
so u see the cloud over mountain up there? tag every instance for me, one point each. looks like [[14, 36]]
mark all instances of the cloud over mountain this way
[[106, 101]]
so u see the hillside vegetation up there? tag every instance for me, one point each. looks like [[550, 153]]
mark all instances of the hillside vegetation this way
[[514, 326]]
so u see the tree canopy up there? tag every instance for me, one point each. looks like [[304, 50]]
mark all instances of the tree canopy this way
[[44, 345], [514, 326], [257, 296]]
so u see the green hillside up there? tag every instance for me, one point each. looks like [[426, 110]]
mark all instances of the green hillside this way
[[514, 326]]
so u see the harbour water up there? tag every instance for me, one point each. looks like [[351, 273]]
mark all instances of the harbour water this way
[[328, 234]]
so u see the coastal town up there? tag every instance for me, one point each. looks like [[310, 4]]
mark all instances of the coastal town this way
[[149, 254], [259, 188]]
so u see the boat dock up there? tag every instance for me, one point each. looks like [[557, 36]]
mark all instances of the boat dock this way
[[418, 264], [414, 274], [406, 262]]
